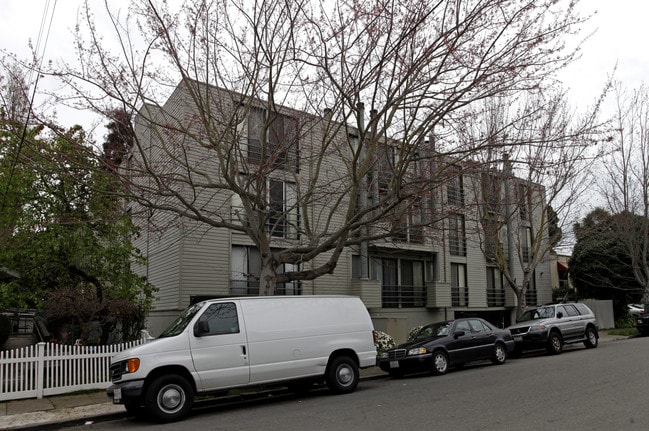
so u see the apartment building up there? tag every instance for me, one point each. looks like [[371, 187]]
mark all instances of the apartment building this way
[[439, 261]]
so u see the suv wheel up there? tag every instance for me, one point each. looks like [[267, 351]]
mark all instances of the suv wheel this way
[[591, 338], [555, 343]]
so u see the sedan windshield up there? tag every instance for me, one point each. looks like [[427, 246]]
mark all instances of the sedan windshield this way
[[181, 321], [537, 313], [434, 330]]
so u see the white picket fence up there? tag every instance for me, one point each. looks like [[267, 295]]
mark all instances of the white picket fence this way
[[50, 369]]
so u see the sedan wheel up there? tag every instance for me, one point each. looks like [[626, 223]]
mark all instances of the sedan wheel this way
[[500, 354], [440, 363]]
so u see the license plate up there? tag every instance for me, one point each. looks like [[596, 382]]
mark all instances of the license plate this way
[[117, 395], [518, 337], [394, 364]]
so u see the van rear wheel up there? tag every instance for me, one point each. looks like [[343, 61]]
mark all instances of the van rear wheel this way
[[342, 375], [169, 398]]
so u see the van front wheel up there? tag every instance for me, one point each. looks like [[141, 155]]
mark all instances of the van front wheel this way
[[342, 375], [169, 398]]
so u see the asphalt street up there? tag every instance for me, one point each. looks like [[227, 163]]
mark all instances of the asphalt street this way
[[581, 389]]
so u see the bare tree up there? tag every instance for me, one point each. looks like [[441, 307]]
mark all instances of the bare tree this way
[[267, 133], [14, 100], [625, 185], [531, 185]]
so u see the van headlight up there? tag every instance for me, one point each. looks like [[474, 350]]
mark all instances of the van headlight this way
[[417, 351], [130, 365]]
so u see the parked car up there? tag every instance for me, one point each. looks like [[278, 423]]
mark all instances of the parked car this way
[[553, 325], [222, 344], [642, 323], [635, 309], [439, 346]]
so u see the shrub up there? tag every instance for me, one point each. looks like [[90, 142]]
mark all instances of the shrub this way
[[383, 342], [625, 322], [5, 329]]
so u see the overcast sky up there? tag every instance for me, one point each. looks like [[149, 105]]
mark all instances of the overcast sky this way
[[620, 36]]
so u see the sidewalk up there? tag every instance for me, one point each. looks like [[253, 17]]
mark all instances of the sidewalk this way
[[71, 410], [87, 408]]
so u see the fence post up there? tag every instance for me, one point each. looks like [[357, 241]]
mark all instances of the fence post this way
[[40, 369]]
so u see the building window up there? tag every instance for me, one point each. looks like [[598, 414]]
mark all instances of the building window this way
[[403, 283], [522, 201], [409, 228], [385, 168], [491, 184], [283, 213], [455, 189], [457, 235], [491, 239], [374, 270], [245, 270], [283, 218], [495, 288], [459, 288], [279, 147]]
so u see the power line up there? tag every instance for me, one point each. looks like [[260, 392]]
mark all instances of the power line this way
[[37, 68]]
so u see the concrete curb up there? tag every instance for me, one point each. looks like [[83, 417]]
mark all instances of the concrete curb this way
[[96, 413]]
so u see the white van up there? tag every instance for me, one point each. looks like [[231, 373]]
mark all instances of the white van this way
[[222, 344]]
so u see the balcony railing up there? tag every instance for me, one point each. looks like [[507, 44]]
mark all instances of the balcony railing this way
[[530, 297], [277, 224], [495, 297], [459, 296], [400, 296]]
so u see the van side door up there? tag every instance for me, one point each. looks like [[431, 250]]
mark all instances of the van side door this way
[[219, 347]]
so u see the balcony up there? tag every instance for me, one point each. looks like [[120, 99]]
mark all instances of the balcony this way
[[399, 296]]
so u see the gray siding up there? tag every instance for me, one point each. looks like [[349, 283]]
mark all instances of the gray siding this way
[[190, 259]]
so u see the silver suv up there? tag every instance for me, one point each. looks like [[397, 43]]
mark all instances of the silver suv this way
[[551, 326]]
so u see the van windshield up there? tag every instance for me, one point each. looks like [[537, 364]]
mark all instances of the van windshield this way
[[181, 321]]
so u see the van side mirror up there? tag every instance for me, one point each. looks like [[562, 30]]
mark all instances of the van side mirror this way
[[201, 327]]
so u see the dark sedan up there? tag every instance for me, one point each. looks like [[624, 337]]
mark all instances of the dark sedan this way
[[438, 346]]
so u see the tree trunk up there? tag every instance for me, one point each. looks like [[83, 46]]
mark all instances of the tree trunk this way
[[268, 277]]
